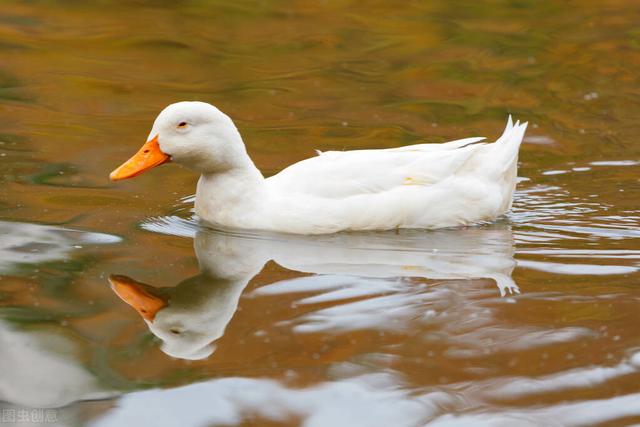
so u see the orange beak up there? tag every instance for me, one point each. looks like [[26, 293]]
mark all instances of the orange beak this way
[[135, 294], [149, 156]]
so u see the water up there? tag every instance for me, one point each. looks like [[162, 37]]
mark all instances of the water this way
[[528, 321]]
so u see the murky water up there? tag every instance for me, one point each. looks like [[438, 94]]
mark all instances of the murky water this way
[[530, 321]]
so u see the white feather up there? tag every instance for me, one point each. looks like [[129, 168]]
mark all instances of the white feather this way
[[421, 186]]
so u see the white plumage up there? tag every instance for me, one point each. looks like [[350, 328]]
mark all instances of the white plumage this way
[[426, 186], [420, 186]]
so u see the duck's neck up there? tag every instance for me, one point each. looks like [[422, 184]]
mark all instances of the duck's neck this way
[[224, 197]]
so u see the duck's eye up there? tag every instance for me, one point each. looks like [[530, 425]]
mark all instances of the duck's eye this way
[[182, 125]]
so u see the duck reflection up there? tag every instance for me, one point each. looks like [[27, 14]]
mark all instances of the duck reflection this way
[[189, 317]]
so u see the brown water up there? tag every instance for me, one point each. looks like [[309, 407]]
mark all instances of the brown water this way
[[378, 329]]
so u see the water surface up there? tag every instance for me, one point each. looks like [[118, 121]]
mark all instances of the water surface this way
[[528, 321]]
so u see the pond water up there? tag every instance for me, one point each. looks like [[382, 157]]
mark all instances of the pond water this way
[[117, 309]]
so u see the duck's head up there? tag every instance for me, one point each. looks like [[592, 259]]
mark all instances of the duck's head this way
[[191, 133]]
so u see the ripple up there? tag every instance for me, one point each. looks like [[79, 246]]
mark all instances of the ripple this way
[[615, 163], [577, 269], [368, 401], [505, 389], [26, 243], [172, 225]]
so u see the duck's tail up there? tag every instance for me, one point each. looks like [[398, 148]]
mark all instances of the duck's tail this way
[[506, 148], [503, 160]]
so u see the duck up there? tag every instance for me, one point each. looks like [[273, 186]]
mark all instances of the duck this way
[[190, 317], [423, 186]]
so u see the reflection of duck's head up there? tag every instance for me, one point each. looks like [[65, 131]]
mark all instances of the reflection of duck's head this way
[[193, 314], [190, 316], [185, 330]]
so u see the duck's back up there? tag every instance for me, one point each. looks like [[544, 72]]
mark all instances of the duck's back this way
[[419, 186]]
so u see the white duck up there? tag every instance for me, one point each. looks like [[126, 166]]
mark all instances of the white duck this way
[[419, 186]]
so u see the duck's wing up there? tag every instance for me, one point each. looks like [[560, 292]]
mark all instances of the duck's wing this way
[[337, 174]]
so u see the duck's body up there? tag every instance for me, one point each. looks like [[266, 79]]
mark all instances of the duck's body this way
[[419, 186], [427, 186]]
